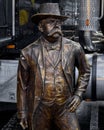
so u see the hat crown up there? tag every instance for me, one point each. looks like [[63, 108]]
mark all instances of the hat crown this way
[[50, 8]]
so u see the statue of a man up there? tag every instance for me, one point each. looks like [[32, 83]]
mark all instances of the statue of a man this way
[[46, 89]]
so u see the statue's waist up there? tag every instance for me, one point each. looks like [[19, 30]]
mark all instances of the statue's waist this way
[[55, 93]]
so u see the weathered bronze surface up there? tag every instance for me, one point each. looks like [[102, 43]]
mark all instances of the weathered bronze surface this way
[[46, 90]]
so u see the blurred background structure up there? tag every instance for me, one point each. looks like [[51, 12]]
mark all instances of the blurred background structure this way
[[84, 25]]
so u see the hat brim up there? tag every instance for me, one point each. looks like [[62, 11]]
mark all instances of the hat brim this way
[[38, 17]]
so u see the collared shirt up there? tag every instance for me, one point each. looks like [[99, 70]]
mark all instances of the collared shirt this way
[[52, 50], [52, 46]]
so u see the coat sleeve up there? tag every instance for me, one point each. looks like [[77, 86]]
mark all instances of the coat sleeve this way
[[22, 85], [84, 71]]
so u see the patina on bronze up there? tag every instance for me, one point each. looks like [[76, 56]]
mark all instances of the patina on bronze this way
[[45, 89]]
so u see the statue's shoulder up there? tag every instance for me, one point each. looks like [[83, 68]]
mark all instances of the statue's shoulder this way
[[33, 46], [70, 43]]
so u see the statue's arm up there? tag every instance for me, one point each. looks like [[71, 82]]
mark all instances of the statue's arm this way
[[84, 72], [83, 79], [22, 85]]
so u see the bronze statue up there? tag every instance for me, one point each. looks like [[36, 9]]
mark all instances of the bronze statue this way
[[46, 90]]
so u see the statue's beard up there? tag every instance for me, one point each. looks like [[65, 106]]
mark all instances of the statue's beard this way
[[55, 33]]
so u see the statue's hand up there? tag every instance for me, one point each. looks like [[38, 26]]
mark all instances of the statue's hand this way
[[75, 102], [23, 123]]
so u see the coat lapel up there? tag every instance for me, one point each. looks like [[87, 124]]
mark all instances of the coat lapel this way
[[64, 53], [41, 63]]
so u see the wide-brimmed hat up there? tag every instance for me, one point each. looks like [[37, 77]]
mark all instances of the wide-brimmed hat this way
[[48, 10]]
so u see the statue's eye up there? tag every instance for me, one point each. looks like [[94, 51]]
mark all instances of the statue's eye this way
[[51, 21]]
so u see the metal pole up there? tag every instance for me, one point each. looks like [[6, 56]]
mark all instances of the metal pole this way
[[102, 9], [13, 18]]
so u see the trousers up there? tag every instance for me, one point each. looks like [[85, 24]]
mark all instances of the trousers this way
[[62, 118]]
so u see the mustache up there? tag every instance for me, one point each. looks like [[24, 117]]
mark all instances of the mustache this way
[[53, 31]]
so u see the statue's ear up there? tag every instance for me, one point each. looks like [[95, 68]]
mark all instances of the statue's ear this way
[[40, 27]]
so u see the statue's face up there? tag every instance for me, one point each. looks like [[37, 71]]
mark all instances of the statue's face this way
[[51, 27]]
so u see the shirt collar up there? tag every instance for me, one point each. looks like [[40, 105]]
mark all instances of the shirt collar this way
[[50, 46]]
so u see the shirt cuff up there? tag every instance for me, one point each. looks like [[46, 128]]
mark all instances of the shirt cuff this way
[[22, 114], [79, 93]]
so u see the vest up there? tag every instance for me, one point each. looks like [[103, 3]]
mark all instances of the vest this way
[[55, 88]]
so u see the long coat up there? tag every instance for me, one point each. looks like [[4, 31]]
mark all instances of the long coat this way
[[31, 73]]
